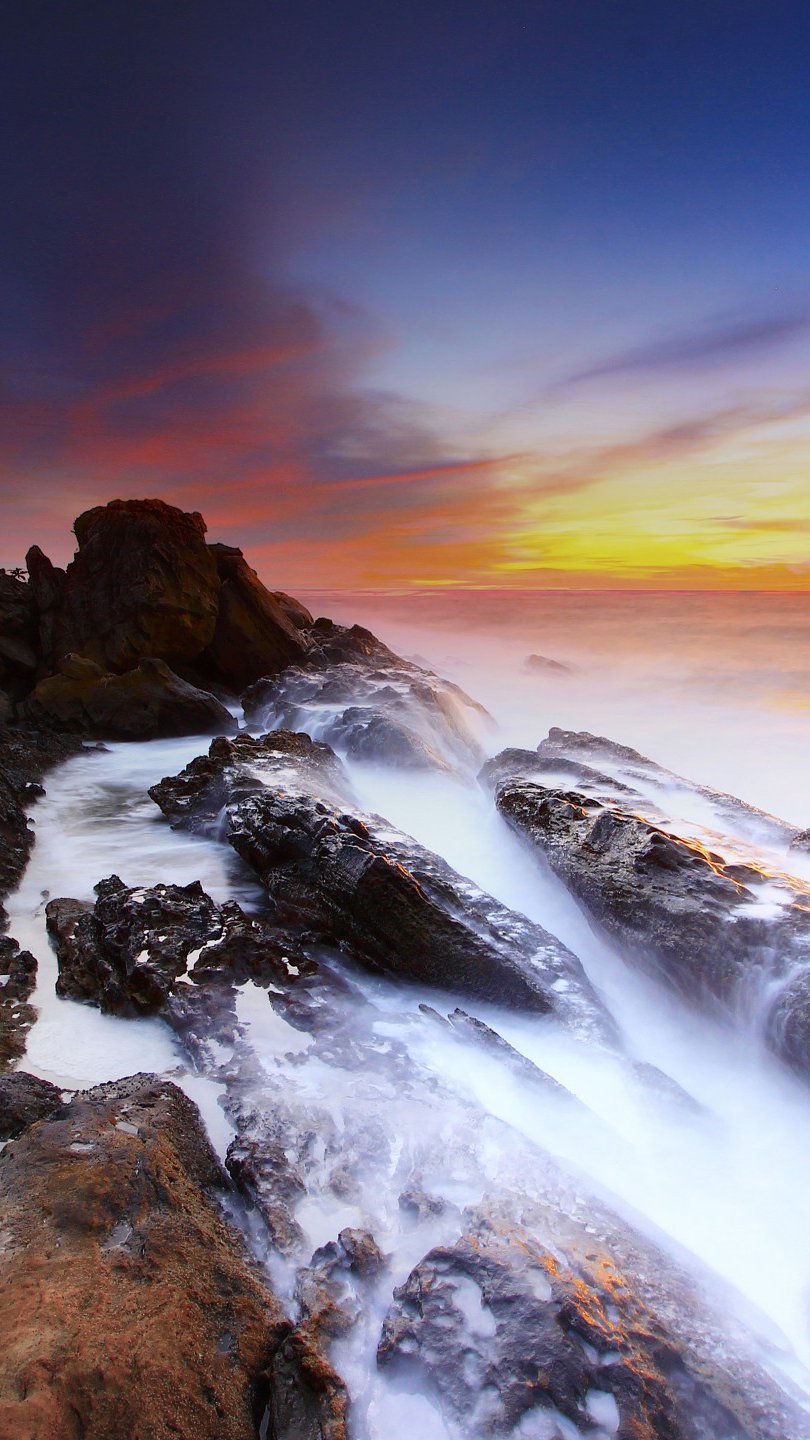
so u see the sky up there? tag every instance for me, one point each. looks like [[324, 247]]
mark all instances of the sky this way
[[458, 293]]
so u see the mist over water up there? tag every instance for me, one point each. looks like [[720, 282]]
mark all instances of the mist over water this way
[[715, 687]]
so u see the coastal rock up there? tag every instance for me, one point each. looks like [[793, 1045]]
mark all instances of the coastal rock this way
[[544, 665], [399, 909], [234, 769], [678, 909], [127, 1305], [357, 694], [135, 947], [18, 635], [18, 978], [255, 633], [142, 583], [143, 704], [24, 1099], [506, 1329]]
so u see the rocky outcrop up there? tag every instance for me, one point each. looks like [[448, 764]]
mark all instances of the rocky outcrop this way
[[142, 704], [234, 769], [127, 1305], [143, 583], [255, 633], [24, 1099], [18, 635], [544, 665], [135, 948], [371, 704], [678, 909], [390, 903], [506, 1330], [18, 978]]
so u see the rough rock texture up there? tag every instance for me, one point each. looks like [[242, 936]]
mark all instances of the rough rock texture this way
[[678, 909], [127, 1306], [24, 1099], [143, 583], [143, 704], [18, 978], [135, 947], [500, 1325], [399, 909], [255, 633], [357, 694]]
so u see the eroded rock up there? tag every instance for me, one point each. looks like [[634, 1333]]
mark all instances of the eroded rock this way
[[127, 1305], [146, 703], [24, 1099]]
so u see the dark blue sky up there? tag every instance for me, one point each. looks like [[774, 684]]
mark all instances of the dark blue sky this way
[[413, 291]]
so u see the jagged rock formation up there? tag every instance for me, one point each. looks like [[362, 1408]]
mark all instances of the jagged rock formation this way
[[371, 704], [390, 903], [255, 633], [127, 1305]]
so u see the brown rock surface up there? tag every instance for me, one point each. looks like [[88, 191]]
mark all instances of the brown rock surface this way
[[145, 703], [143, 582], [255, 633], [127, 1305]]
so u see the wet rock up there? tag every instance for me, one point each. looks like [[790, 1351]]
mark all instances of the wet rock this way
[[18, 978], [473, 1028], [142, 583], [677, 909], [270, 1182], [371, 703], [399, 909], [330, 1289], [24, 1099], [256, 634], [505, 1328], [136, 948], [127, 1305], [234, 769], [146, 703], [25, 758]]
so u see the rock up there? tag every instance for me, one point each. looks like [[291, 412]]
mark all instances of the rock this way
[[135, 948], [18, 635], [357, 694], [401, 910], [294, 609], [255, 633], [144, 704], [234, 769], [143, 583], [48, 589], [505, 1329], [127, 1305], [677, 909], [24, 1099], [542, 665], [18, 978]]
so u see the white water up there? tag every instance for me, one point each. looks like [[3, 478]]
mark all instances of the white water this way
[[731, 1186]]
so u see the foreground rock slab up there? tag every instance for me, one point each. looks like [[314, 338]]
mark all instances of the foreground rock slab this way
[[127, 1306], [507, 1328]]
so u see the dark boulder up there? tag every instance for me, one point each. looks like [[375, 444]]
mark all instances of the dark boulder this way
[[135, 948], [142, 704], [128, 1307], [255, 632], [24, 1099], [678, 909], [143, 583], [18, 635], [18, 978]]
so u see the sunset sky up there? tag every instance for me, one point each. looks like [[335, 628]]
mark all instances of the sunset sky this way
[[467, 292]]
